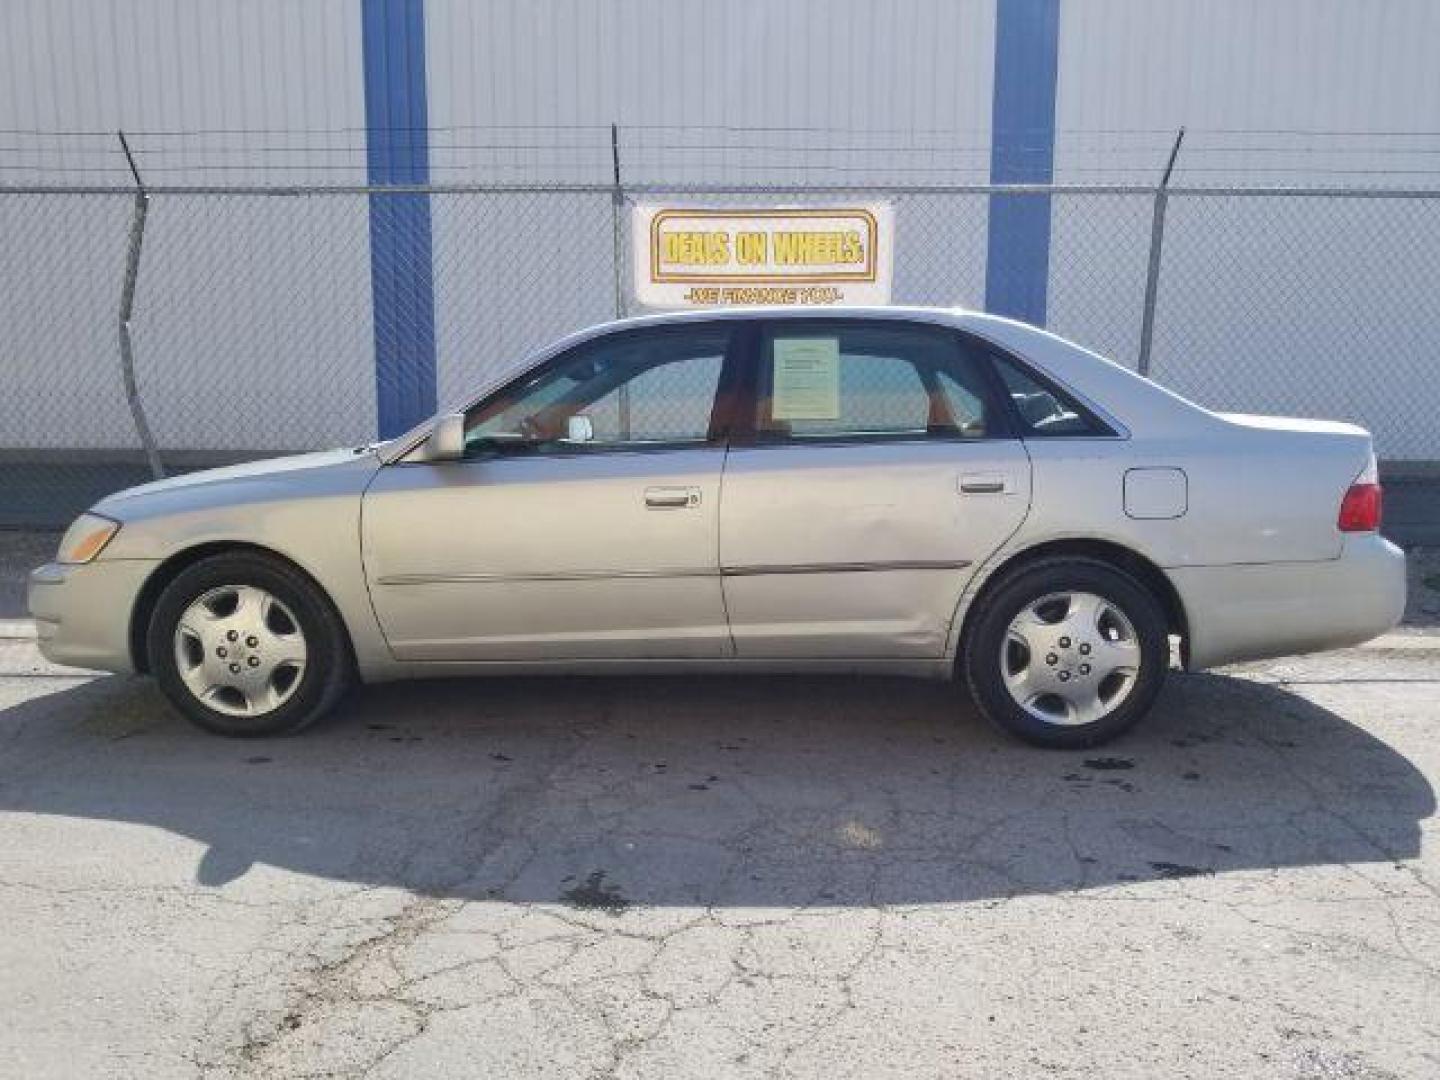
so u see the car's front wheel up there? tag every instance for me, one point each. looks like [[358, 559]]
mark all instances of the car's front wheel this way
[[246, 645], [1066, 652]]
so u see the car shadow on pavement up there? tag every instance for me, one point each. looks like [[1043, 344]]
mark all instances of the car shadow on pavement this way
[[610, 793]]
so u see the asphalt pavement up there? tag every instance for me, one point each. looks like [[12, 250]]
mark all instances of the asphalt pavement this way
[[724, 878]]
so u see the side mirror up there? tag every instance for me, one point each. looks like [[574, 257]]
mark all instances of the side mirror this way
[[579, 429], [447, 440]]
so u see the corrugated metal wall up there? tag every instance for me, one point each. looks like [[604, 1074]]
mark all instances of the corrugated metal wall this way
[[1265, 80], [752, 91], [272, 304], [815, 91], [1265, 306], [749, 90], [266, 91], [225, 90]]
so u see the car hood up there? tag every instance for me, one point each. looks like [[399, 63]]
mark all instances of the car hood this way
[[295, 471]]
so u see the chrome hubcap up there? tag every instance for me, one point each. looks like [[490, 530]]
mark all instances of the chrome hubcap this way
[[240, 650], [1070, 658]]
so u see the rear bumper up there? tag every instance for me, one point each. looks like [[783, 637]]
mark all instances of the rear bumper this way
[[1279, 609], [82, 613]]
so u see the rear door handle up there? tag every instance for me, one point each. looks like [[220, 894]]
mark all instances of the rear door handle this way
[[671, 498], [983, 484]]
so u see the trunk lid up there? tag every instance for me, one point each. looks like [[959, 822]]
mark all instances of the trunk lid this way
[[1296, 424], [1297, 471]]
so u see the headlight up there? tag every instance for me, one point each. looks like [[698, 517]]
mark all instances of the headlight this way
[[86, 538]]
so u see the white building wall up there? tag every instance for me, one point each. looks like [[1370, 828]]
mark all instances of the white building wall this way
[[815, 84], [240, 306], [267, 91], [748, 92], [270, 297], [1312, 308], [1261, 66]]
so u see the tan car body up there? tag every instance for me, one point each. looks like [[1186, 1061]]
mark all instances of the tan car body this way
[[791, 557]]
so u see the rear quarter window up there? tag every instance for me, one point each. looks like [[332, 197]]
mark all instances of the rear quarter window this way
[[1043, 409]]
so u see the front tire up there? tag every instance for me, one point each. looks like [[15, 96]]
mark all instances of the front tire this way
[[1066, 653], [246, 645]]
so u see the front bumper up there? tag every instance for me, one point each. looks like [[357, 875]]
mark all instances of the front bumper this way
[[82, 613], [1257, 611]]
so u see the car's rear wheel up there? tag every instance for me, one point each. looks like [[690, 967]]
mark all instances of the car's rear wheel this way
[[1066, 652], [245, 645]]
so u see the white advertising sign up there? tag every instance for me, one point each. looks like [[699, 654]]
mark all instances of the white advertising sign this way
[[709, 257]]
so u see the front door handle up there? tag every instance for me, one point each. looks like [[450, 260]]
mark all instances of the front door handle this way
[[983, 484], [671, 498]]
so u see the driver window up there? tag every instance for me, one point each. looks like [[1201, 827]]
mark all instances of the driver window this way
[[630, 390]]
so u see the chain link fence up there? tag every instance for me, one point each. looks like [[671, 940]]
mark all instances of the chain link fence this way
[[253, 332]]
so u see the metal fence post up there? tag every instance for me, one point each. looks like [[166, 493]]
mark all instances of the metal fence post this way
[[617, 205], [127, 306], [1152, 270]]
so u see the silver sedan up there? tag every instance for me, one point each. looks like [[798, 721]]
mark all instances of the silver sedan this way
[[913, 491]]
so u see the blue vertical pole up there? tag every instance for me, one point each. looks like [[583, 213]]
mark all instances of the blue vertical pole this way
[[1022, 151], [398, 152]]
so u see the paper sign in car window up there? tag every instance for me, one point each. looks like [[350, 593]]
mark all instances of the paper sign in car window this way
[[806, 379]]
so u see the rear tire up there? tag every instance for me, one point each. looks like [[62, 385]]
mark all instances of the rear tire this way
[[1066, 652], [246, 645]]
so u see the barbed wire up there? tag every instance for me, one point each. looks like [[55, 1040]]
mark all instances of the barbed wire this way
[[604, 127], [780, 153]]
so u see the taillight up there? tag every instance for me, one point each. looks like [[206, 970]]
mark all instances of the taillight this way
[[1360, 509]]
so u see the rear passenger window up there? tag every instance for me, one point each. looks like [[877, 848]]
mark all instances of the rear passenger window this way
[[1044, 409], [828, 380]]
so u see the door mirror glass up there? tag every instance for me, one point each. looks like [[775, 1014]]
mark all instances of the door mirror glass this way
[[447, 439], [579, 429]]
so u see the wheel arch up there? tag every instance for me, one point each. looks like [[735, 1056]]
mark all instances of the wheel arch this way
[[170, 568], [1126, 559]]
